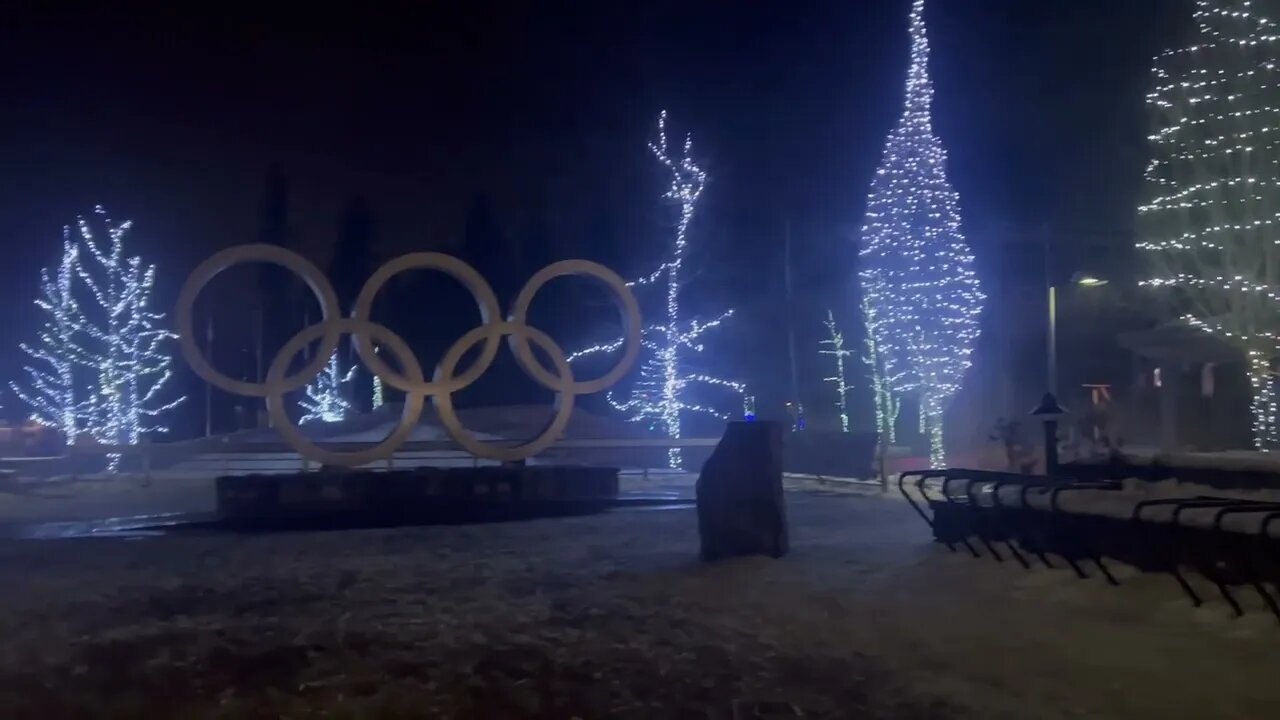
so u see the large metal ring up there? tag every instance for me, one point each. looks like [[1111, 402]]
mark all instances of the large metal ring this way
[[184, 323], [444, 382], [623, 299], [409, 413], [485, 299], [443, 402]]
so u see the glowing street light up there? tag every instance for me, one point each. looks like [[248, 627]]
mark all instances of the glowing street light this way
[[1087, 280]]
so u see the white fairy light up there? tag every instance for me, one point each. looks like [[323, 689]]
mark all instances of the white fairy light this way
[[1209, 226], [326, 400], [916, 268], [835, 339], [886, 403], [50, 389], [130, 365], [659, 396], [378, 398]]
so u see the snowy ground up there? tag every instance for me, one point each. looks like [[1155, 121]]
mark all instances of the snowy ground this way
[[608, 616]]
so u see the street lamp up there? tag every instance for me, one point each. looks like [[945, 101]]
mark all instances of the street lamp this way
[[1088, 280], [1049, 410], [1083, 280]]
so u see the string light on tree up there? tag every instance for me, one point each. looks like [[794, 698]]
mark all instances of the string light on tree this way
[[132, 365], [886, 403], [377, 388], [660, 396], [1208, 227], [50, 389], [835, 340], [326, 400], [916, 268]]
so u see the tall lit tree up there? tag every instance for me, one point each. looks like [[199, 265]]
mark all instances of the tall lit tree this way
[[916, 268], [51, 387], [1209, 225], [661, 395], [326, 399], [835, 339], [131, 362]]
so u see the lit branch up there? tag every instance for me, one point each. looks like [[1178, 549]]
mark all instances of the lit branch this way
[[836, 341], [658, 396], [326, 400]]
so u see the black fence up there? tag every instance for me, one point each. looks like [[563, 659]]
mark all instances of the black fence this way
[[1232, 542]]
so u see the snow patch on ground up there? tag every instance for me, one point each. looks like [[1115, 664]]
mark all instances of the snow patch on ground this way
[[606, 616]]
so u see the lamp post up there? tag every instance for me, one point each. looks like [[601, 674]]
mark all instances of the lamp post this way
[[1049, 411], [1083, 280]]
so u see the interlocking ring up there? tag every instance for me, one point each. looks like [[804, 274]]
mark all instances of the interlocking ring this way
[[444, 382]]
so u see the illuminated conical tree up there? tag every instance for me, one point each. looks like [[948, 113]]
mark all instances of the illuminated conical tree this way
[[916, 269], [1209, 225]]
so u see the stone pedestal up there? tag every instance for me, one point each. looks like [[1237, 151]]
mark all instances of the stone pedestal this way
[[422, 495], [740, 504]]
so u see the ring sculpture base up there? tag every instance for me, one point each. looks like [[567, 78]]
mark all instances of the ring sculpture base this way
[[342, 498]]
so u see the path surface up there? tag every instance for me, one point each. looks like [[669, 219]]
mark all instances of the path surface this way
[[607, 616]]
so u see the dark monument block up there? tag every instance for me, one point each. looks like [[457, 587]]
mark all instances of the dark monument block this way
[[740, 505]]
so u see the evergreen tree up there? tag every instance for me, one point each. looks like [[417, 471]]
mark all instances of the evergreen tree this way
[[350, 268], [1213, 190], [352, 262], [274, 282], [490, 251], [916, 268]]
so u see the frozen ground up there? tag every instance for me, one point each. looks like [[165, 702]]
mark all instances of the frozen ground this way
[[607, 616]]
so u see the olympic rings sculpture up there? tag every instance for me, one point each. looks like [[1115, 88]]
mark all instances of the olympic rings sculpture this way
[[445, 381]]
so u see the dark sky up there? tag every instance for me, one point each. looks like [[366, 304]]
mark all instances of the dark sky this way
[[174, 116]]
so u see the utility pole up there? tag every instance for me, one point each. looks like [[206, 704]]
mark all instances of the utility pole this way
[[1052, 293], [798, 422], [208, 387]]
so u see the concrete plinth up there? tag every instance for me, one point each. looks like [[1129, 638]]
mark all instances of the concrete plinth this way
[[421, 495]]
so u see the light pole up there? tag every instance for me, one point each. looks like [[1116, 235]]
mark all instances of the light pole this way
[[1083, 280], [1048, 411]]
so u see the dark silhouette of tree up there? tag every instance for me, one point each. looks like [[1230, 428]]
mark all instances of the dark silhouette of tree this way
[[490, 252], [275, 296], [350, 267]]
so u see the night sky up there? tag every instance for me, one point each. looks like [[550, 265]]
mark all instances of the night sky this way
[[542, 110]]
